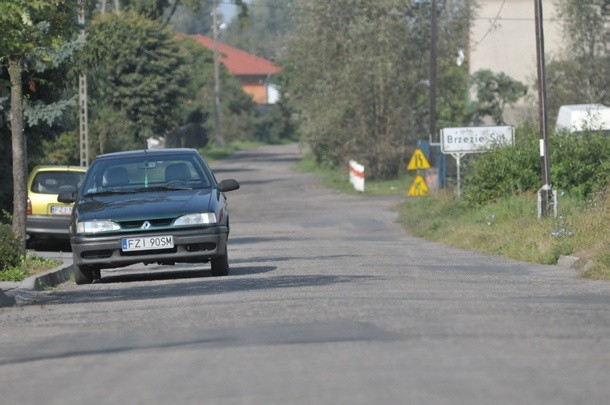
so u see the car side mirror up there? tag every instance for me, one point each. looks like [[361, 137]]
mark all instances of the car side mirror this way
[[228, 185], [67, 197]]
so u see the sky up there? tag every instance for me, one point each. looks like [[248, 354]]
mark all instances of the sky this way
[[227, 9]]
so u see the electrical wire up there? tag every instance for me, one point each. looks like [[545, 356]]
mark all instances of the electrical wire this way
[[491, 26]]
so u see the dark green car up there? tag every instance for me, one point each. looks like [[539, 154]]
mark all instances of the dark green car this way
[[150, 206]]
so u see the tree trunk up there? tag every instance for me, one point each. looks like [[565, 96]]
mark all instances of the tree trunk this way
[[19, 156]]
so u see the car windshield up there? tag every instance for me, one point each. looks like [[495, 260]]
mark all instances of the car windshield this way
[[55, 182], [146, 174]]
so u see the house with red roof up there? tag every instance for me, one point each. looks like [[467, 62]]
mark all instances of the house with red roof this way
[[254, 73]]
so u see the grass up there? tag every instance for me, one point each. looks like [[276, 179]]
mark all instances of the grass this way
[[30, 265], [213, 152], [339, 180], [509, 227]]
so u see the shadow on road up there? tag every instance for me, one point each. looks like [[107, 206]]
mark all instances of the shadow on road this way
[[165, 274], [206, 286]]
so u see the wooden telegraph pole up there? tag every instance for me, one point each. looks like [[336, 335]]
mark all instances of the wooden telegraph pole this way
[[433, 70], [545, 192], [217, 113]]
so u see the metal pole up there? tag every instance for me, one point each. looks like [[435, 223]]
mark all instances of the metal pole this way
[[433, 58], [545, 191], [82, 98], [217, 117]]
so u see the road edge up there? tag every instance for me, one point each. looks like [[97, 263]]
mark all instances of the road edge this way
[[37, 282], [575, 263]]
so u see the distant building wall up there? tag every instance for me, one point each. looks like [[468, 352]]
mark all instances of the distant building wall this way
[[259, 88], [503, 39]]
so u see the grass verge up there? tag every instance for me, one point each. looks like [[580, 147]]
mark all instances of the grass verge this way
[[30, 265], [339, 180], [214, 152], [508, 227]]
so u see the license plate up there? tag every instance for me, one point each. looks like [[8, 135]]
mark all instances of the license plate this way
[[61, 210], [147, 243]]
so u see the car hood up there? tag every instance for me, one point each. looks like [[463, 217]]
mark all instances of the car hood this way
[[145, 205]]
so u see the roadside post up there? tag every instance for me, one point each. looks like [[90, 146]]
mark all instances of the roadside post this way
[[356, 175], [418, 162], [457, 142]]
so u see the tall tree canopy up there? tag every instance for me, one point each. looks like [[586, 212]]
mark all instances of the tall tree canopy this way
[[136, 67], [264, 32], [30, 29], [581, 72], [357, 71]]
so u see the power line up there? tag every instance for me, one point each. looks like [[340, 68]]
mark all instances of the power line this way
[[491, 26]]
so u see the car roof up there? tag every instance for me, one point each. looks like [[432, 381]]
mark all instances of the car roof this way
[[67, 168], [147, 152]]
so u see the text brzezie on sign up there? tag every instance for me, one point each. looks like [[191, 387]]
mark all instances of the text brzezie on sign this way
[[475, 139]]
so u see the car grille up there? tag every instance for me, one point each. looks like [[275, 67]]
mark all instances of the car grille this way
[[153, 223]]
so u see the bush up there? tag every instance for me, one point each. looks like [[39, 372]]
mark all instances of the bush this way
[[11, 253], [503, 172], [580, 166], [580, 163]]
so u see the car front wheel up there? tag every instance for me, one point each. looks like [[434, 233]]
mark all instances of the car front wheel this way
[[83, 275], [220, 265]]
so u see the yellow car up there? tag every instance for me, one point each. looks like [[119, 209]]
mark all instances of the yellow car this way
[[45, 216]]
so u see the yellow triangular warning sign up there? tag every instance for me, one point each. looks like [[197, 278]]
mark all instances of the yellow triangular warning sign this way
[[418, 188], [418, 161]]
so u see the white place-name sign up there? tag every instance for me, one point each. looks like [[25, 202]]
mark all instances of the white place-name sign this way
[[475, 139]]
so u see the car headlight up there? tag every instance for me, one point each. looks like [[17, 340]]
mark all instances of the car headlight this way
[[204, 218], [96, 226]]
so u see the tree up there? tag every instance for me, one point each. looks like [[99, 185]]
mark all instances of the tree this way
[[580, 74], [138, 71], [194, 16], [197, 111], [28, 27], [265, 30], [357, 72], [494, 91]]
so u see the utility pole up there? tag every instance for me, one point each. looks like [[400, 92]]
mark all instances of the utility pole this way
[[83, 127], [433, 70], [217, 116], [545, 192]]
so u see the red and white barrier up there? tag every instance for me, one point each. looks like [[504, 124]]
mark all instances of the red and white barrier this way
[[356, 175]]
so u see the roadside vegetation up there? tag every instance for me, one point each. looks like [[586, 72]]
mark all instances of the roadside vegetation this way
[[15, 264], [510, 227], [497, 210], [507, 226]]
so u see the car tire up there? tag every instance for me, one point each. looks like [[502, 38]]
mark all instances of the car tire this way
[[220, 265], [83, 275]]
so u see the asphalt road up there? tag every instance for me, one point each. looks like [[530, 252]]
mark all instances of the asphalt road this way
[[328, 302]]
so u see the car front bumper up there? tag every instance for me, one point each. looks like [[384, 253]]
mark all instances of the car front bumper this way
[[194, 245]]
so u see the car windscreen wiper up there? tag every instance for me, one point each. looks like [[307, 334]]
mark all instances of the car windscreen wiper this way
[[108, 192], [162, 188]]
